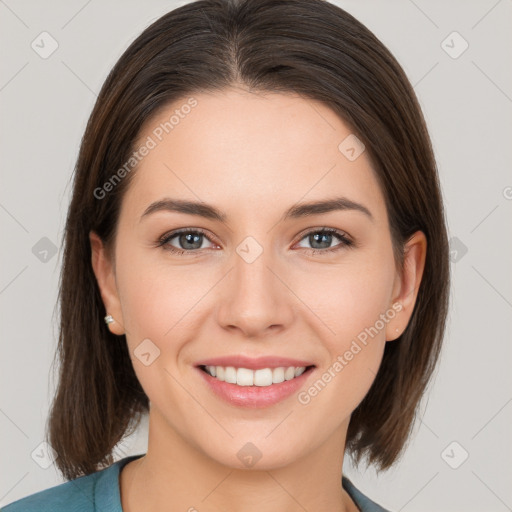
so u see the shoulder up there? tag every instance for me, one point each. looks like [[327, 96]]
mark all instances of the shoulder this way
[[76, 495], [362, 501], [97, 491]]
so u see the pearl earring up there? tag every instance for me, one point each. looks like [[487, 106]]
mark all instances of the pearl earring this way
[[109, 319]]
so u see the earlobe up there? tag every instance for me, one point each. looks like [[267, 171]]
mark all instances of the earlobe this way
[[407, 284], [103, 268]]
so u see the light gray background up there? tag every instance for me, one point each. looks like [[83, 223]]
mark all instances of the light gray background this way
[[467, 102]]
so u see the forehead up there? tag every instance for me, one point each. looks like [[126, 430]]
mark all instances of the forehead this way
[[247, 152]]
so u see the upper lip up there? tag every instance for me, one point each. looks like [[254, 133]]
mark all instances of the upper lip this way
[[254, 363]]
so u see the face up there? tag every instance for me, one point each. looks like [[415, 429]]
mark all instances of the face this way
[[316, 287]]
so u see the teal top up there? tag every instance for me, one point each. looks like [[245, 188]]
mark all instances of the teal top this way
[[99, 492]]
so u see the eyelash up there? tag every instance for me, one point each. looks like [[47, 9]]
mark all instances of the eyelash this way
[[345, 241]]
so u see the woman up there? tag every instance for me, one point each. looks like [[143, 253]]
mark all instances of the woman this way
[[255, 255]]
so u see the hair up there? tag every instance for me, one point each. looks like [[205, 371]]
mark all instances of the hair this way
[[307, 47]]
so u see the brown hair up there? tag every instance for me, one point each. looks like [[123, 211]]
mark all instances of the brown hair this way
[[308, 47]]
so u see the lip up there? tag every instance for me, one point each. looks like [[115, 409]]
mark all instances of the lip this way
[[255, 396], [254, 363]]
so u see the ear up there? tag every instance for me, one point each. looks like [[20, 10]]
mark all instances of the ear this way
[[407, 284], [104, 270]]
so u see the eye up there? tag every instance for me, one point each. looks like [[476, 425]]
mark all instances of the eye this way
[[189, 240], [322, 239]]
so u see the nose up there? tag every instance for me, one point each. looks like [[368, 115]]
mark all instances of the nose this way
[[254, 298]]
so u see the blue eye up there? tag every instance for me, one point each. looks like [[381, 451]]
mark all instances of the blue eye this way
[[324, 237], [191, 240]]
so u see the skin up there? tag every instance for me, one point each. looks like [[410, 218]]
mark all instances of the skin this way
[[252, 156]]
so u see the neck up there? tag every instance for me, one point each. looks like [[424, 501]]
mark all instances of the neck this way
[[175, 475]]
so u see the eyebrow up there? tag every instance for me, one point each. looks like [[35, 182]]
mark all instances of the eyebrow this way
[[295, 212]]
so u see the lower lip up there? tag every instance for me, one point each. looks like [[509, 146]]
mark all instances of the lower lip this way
[[254, 396]]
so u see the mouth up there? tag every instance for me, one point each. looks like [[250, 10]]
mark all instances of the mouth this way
[[254, 388], [262, 377]]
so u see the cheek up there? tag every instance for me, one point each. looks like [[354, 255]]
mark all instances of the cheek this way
[[348, 299], [159, 299], [159, 307], [350, 304], [354, 303]]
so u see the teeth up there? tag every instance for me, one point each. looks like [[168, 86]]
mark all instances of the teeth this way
[[289, 373], [278, 375], [230, 375], [299, 371], [244, 377], [262, 377]]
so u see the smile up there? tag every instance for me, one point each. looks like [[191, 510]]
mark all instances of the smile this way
[[254, 388], [246, 377]]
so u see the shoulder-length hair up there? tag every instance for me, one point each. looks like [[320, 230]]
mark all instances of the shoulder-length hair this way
[[308, 47]]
